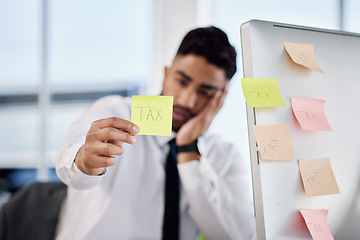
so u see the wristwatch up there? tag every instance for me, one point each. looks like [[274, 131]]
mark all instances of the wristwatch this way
[[192, 147]]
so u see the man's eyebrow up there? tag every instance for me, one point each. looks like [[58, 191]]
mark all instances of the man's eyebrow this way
[[184, 75], [209, 87]]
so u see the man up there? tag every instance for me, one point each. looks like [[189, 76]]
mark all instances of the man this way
[[116, 180]]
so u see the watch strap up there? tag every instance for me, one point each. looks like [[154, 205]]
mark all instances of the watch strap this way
[[192, 147]]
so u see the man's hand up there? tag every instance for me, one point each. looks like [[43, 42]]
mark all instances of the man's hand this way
[[104, 139], [199, 124]]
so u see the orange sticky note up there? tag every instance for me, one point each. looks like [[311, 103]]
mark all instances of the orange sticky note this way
[[303, 54], [316, 222], [274, 142], [310, 114], [318, 177]]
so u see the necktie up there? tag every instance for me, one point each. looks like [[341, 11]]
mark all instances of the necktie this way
[[172, 196]]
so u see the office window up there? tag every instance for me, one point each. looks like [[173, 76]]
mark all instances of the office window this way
[[19, 45], [99, 42], [82, 49], [352, 16], [95, 48], [19, 75]]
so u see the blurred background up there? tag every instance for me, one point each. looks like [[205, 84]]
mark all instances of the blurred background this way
[[57, 57]]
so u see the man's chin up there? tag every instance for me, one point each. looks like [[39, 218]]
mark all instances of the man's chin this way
[[177, 125], [175, 128]]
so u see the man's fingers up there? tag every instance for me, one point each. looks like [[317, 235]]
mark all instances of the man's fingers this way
[[104, 140], [100, 162], [224, 94], [112, 134], [108, 149], [103, 149], [226, 88], [220, 97], [93, 164], [215, 104], [118, 143], [118, 123]]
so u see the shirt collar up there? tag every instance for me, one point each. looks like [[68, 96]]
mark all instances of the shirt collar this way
[[164, 140]]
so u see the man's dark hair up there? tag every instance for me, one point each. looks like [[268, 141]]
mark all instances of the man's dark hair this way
[[213, 44]]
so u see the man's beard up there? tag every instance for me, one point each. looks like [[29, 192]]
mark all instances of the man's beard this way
[[183, 111]]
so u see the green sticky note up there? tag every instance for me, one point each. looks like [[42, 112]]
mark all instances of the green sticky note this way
[[153, 114], [261, 92]]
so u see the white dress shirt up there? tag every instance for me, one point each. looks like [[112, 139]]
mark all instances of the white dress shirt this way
[[127, 202]]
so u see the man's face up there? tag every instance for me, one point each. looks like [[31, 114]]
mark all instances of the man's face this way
[[193, 82]]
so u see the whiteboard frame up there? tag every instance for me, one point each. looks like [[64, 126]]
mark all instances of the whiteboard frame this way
[[255, 164], [251, 114]]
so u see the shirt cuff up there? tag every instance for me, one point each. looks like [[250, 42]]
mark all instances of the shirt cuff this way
[[189, 173], [69, 172], [193, 172], [81, 180]]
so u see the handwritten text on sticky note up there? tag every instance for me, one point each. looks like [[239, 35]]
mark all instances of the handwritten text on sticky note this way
[[303, 54], [261, 92], [310, 114], [153, 114], [316, 221], [274, 142], [318, 177]]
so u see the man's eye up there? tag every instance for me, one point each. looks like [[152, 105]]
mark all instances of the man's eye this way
[[182, 82], [206, 94]]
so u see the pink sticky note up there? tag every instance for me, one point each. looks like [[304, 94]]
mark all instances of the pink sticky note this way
[[310, 114], [316, 221]]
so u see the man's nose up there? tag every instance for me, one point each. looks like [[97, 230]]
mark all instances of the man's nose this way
[[188, 98]]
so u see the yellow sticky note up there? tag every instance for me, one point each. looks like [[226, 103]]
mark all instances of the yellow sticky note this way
[[153, 114], [318, 177], [261, 92], [303, 54]]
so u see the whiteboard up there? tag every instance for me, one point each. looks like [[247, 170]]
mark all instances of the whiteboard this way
[[278, 190]]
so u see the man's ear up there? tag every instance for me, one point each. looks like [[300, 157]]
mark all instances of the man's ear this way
[[166, 73]]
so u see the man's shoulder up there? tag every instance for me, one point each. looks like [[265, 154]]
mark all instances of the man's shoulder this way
[[113, 102], [110, 106], [114, 99]]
